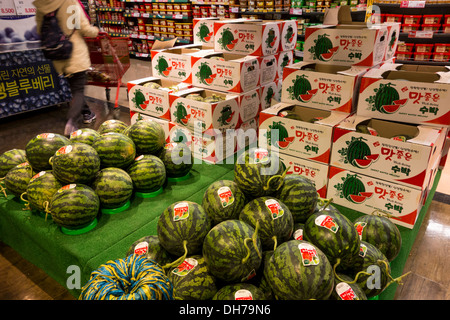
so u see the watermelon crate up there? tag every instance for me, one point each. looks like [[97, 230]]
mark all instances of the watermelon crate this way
[[268, 69], [247, 37], [397, 152], [201, 109], [151, 95], [203, 30], [288, 34], [314, 171], [367, 194], [302, 132], [270, 92], [322, 86], [413, 93], [225, 72], [284, 60], [249, 105]]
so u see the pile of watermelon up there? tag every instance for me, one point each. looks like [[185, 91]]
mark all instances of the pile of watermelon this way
[[267, 235], [72, 178]]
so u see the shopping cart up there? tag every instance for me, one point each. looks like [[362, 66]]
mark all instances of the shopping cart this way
[[110, 60]]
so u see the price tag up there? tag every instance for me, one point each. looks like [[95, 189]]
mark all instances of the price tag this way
[[412, 4], [234, 9], [7, 8], [295, 11], [177, 16], [145, 15], [142, 36], [24, 7], [421, 34]]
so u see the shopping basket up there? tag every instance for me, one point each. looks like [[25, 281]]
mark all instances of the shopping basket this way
[[110, 60]]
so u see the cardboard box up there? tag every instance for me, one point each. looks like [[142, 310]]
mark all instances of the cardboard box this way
[[247, 37], [410, 93], [368, 194], [268, 94], [233, 73], [322, 86], [249, 105], [299, 138], [340, 41], [444, 153], [203, 30], [268, 69], [393, 35], [288, 34], [402, 162], [193, 114], [176, 63], [284, 60], [152, 101], [314, 171]]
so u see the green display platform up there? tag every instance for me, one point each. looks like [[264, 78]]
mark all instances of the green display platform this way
[[43, 244]]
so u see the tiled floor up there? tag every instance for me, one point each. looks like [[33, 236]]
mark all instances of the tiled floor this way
[[21, 280]]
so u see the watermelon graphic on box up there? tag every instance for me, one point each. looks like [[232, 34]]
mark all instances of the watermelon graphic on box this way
[[203, 30], [288, 35]]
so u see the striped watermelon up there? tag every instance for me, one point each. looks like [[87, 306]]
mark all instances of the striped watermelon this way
[[115, 150], [11, 158], [240, 291], [17, 179], [84, 135], [345, 290], [334, 234], [113, 186], [147, 173], [75, 163], [258, 173], [177, 158], [192, 281], [41, 189], [232, 249], [299, 194], [152, 249], [380, 232], [182, 227], [74, 206], [298, 270], [112, 126], [223, 200], [148, 136], [275, 220], [42, 147]]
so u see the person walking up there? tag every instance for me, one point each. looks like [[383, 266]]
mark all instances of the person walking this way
[[73, 22]]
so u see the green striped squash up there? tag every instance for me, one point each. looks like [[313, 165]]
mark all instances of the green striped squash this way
[[76, 163], [112, 125], [240, 291], [275, 220], [148, 136], [223, 200], [74, 206], [151, 248], [299, 194], [17, 179], [232, 249], [42, 147], [147, 173], [115, 150], [192, 280], [298, 270], [11, 158], [84, 135], [380, 232], [177, 158], [41, 189], [113, 186]]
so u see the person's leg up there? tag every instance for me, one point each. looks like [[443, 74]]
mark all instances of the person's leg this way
[[77, 82]]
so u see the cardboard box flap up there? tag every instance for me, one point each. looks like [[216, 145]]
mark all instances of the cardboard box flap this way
[[444, 77], [337, 15], [329, 68], [159, 45]]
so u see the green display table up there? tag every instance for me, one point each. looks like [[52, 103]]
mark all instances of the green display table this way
[[43, 244]]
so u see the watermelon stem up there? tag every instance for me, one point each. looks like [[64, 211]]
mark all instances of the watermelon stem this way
[[180, 259], [2, 188], [274, 238], [255, 245], [381, 213], [398, 280], [338, 261], [47, 211], [27, 203], [267, 187], [324, 203]]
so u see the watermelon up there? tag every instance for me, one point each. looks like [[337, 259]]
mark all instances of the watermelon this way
[[380, 232], [223, 200], [298, 270], [147, 173], [148, 136], [41, 189], [275, 220], [345, 290], [177, 158], [84, 135], [42, 147], [232, 251], [152, 249], [182, 228], [334, 234], [115, 150], [75, 163], [298, 231], [239, 291], [74, 206], [17, 179], [11, 158], [112, 126], [258, 173], [299, 194], [192, 281], [113, 186]]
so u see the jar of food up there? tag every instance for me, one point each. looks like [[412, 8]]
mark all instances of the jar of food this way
[[441, 56], [432, 18], [394, 17], [405, 47], [431, 27], [410, 27], [411, 19], [442, 47], [405, 56], [422, 56], [424, 47]]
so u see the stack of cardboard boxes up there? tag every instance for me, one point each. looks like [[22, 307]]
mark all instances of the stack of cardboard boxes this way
[[205, 93], [367, 131]]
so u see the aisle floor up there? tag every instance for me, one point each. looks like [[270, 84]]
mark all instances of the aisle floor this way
[[21, 280]]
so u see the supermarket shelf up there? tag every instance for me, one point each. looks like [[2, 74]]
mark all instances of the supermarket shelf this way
[[156, 16], [438, 37], [153, 1], [263, 12], [145, 37], [430, 63], [109, 9], [210, 3], [115, 34], [430, 8], [111, 22]]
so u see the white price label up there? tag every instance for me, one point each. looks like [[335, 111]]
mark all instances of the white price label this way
[[296, 11], [24, 7], [421, 34], [177, 16], [7, 8], [234, 9], [412, 4]]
